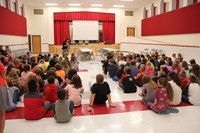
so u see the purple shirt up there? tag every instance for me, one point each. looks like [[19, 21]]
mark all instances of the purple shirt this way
[[162, 100]]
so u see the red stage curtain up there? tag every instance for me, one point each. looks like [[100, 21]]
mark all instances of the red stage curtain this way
[[69, 16], [61, 31], [108, 31]]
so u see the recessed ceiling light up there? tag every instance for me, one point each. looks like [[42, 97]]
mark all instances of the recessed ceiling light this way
[[97, 5], [126, 0], [118, 6], [74, 4], [51, 4]]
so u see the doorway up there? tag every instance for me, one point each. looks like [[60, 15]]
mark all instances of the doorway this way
[[36, 44], [131, 31]]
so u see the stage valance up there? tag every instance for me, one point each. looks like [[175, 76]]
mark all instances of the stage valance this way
[[69, 16]]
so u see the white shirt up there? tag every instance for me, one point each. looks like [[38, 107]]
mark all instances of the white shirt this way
[[194, 94], [177, 92], [122, 62]]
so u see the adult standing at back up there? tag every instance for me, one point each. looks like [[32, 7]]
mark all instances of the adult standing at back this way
[[4, 100], [65, 48]]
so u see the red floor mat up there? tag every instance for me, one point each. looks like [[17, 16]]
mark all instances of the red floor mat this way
[[83, 70], [126, 106]]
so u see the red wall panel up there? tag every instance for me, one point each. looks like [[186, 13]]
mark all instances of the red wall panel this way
[[182, 21], [12, 23]]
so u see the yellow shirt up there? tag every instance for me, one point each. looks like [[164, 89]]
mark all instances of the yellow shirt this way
[[46, 64]]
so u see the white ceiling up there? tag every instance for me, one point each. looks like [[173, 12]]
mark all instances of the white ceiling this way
[[87, 3]]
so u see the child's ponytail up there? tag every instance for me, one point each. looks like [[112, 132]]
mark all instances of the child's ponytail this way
[[169, 91], [164, 82]]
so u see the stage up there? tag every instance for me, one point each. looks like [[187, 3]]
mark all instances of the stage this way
[[57, 49]]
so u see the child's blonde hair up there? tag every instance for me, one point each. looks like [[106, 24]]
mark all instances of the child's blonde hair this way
[[147, 79], [126, 68], [148, 63], [142, 67]]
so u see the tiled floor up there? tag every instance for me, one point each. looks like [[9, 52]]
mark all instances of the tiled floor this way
[[186, 121]]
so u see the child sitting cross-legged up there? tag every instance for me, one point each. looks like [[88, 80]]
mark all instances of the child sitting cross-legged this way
[[51, 90], [191, 93], [63, 108], [163, 96], [34, 105], [74, 90], [13, 93], [148, 89], [100, 92], [128, 83]]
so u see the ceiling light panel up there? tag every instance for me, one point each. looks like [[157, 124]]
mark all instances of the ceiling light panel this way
[[119, 6], [74, 4], [96, 5], [51, 4]]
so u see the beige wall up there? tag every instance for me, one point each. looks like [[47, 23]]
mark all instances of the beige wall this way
[[43, 24]]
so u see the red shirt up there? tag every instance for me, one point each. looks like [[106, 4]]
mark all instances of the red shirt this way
[[50, 93], [2, 74], [184, 82], [33, 106], [162, 101]]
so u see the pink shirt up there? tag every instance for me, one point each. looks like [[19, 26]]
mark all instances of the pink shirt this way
[[74, 94], [24, 76], [149, 70], [2, 74], [162, 100]]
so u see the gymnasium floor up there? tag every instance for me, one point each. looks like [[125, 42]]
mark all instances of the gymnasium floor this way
[[129, 115]]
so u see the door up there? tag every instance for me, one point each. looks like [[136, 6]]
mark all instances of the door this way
[[36, 44], [131, 31]]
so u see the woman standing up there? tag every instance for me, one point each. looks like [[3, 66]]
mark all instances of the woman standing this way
[[4, 100], [65, 48]]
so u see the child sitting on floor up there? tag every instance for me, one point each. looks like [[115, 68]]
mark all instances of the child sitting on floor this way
[[13, 93], [74, 90], [34, 105], [163, 96], [128, 83], [148, 89], [191, 93], [63, 109], [51, 90], [100, 92], [141, 73], [112, 68]]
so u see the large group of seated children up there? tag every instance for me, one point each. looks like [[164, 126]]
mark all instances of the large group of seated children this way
[[163, 80], [48, 82]]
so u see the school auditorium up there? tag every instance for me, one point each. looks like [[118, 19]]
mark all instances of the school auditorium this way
[[99, 66]]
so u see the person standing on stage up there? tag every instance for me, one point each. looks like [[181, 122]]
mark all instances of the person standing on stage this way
[[65, 48]]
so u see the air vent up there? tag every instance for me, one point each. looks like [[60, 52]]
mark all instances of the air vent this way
[[128, 13], [38, 11]]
